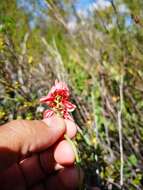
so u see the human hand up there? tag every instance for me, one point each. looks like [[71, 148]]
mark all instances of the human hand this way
[[31, 152]]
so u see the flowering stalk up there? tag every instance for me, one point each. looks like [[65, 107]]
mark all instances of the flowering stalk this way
[[58, 102]]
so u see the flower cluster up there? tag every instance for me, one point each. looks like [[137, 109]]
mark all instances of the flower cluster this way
[[58, 100]]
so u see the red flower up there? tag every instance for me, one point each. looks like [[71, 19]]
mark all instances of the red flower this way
[[58, 100]]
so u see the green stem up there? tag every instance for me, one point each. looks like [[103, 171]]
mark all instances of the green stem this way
[[73, 147], [76, 158]]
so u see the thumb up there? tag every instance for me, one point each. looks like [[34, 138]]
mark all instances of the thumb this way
[[20, 137]]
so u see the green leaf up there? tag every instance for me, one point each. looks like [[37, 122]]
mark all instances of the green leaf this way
[[132, 160]]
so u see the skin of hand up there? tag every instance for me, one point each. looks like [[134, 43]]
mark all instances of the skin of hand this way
[[34, 155]]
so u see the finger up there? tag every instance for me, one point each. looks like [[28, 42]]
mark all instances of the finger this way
[[71, 128], [12, 179], [38, 187], [63, 153], [19, 138], [66, 179], [46, 163], [35, 168], [43, 136]]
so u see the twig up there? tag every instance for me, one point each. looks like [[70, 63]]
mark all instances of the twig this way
[[95, 117], [116, 12], [58, 67], [24, 48], [56, 13], [120, 132]]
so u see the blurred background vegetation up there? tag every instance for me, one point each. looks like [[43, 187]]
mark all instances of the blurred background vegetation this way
[[96, 46]]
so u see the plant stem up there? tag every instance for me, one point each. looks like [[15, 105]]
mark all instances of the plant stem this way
[[73, 147], [120, 133], [76, 158]]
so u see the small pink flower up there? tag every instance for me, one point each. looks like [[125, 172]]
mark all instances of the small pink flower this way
[[58, 100]]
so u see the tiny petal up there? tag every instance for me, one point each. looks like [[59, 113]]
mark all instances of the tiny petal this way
[[58, 87], [46, 99], [61, 85], [69, 106], [48, 113], [43, 99]]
